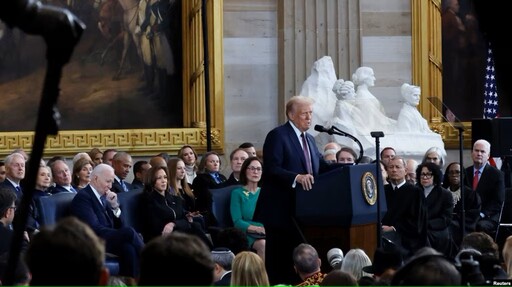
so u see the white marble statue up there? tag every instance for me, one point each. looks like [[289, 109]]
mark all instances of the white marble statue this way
[[374, 117], [319, 87], [358, 112], [410, 119], [345, 110]]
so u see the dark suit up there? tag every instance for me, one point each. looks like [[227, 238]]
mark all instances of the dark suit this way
[[472, 205], [7, 184], [408, 215], [439, 216], [136, 184], [231, 181], [283, 159], [224, 281], [201, 186], [122, 241], [162, 209], [491, 188], [59, 188], [117, 188], [31, 224]]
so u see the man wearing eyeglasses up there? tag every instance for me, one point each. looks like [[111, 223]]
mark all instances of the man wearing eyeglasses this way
[[405, 220]]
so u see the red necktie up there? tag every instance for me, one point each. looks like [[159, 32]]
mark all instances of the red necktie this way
[[306, 153], [475, 179]]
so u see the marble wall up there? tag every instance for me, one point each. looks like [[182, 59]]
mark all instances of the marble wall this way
[[251, 61]]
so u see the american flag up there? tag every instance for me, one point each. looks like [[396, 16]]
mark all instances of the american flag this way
[[490, 91]]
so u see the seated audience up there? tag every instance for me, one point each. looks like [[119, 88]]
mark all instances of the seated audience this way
[[307, 265], [489, 183], [96, 156], [346, 155], [330, 150], [249, 148], [472, 202], [410, 175], [61, 177], [140, 169], [97, 206], [223, 258], [69, 254], [108, 156], [435, 155], [439, 204], [507, 256], [81, 173], [189, 156], [122, 164], [427, 270], [405, 222], [385, 264], [386, 154], [490, 264], [354, 261], [7, 214], [208, 177], [243, 204], [338, 278], [179, 185], [176, 259], [164, 210], [232, 238], [81, 155], [237, 158], [249, 270]]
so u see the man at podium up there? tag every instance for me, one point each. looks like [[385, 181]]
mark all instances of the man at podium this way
[[290, 158]]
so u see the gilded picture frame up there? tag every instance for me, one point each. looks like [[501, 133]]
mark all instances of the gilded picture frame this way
[[427, 68], [147, 142]]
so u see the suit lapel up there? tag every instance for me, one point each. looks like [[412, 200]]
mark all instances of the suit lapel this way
[[298, 146]]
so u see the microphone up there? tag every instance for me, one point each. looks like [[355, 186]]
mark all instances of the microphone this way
[[335, 257], [322, 129]]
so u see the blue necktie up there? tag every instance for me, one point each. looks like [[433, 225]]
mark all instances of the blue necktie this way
[[72, 189], [18, 191], [216, 177], [123, 185]]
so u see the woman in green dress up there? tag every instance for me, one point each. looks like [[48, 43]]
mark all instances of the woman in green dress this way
[[243, 204]]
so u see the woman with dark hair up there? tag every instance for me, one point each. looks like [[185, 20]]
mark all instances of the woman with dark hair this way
[[472, 202], [439, 204], [164, 211], [208, 177], [81, 173], [243, 204]]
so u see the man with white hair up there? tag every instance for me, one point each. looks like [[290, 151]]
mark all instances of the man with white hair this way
[[15, 172], [489, 183]]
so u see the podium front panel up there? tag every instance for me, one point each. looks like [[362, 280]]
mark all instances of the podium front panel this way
[[338, 198]]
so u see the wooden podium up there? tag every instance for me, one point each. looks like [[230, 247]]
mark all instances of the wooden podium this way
[[341, 210]]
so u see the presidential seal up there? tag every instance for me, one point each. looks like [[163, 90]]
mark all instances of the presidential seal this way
[[369, 188]]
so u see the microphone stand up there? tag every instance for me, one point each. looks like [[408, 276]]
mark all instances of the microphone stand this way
[[378, 174], [460, 128], [337, 131]]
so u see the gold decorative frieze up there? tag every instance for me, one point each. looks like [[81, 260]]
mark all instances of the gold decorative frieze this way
[[135, 142]]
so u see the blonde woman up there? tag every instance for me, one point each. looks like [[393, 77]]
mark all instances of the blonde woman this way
[[507, 256], [248, 269]]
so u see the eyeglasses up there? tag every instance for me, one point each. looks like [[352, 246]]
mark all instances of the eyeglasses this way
[[426, 175], [12, 207], [254, 169]]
